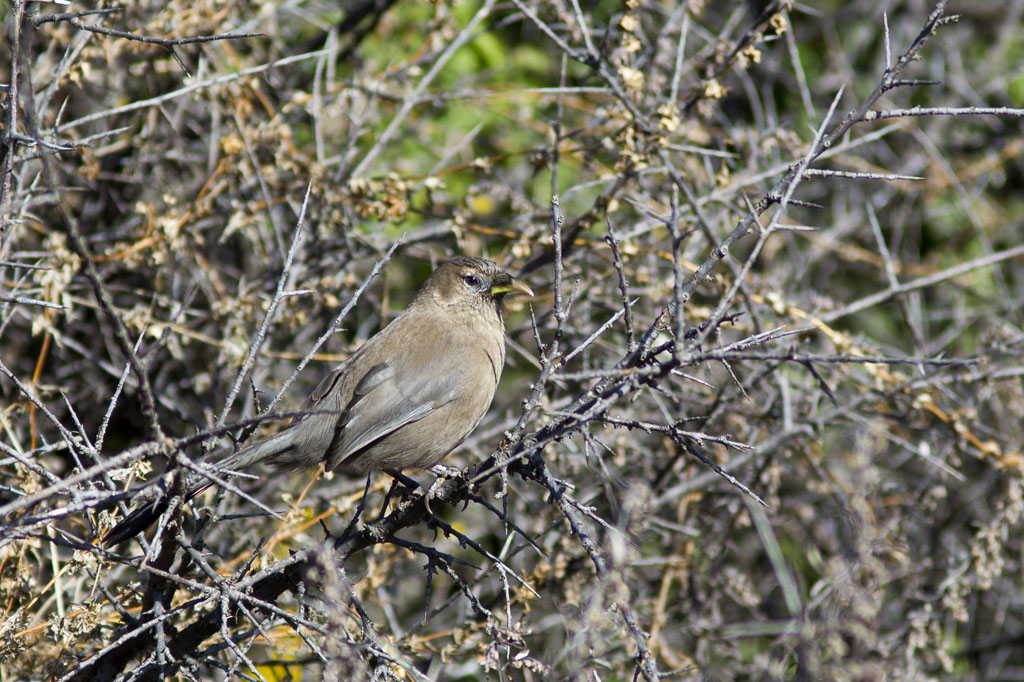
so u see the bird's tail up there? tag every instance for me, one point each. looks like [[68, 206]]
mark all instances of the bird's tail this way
[[142, 518], [139, 520]]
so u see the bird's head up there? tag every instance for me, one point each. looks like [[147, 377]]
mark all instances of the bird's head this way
[[476, 281]]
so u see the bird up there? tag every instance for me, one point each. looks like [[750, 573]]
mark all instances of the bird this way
[[404, 400]]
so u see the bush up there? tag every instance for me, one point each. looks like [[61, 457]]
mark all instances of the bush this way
[[762, 420]]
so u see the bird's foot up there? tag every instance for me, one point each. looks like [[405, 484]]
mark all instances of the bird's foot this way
[[443, 473]]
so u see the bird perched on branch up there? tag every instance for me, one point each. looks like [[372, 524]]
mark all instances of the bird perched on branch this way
[[409, 396]]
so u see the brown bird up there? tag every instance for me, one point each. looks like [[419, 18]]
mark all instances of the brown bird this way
[[409, 396]]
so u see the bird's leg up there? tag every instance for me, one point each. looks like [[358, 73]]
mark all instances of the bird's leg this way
[[398, 478], [355, 517], [387, 500]]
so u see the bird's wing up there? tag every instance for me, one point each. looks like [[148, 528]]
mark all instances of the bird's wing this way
[[390, 395], [327, 383]]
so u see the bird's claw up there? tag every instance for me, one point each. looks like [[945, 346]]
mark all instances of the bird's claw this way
[[443, 473]]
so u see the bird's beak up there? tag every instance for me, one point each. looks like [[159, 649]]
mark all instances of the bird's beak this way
[[506, 284]]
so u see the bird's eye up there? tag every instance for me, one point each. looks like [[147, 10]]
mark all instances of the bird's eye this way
[[471, 280]]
